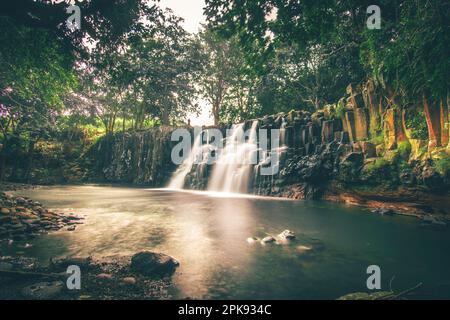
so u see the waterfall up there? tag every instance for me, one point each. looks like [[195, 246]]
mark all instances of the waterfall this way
[[238, 162], [179, 177], [232, 170]]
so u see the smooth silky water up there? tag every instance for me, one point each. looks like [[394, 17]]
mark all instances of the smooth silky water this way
[[208, 234]]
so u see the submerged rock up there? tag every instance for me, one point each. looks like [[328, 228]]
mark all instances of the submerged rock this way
[[304, 249], [431, 221], [383, 211], [153, 264]]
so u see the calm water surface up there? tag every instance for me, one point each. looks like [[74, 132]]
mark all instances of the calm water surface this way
[[207, 233]]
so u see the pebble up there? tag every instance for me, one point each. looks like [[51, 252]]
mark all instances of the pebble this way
[[129, 280], [104, 276]]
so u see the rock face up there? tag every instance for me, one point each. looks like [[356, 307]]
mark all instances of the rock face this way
[[359, 142], [153, 264], [142, 157]]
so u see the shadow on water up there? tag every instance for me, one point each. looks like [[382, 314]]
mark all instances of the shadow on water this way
[[207, 233]]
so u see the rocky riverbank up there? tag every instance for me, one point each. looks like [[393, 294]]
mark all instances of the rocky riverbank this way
[[145, 275], [22, 218]]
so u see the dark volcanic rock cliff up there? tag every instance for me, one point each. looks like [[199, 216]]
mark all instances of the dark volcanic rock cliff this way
[[141, 157]]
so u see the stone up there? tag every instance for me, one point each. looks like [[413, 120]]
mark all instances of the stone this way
[[287, 234], [383, 211], [368, 149], [304, 249], [104, 276], [60, 265], [361, 124], [4, 211], [71, 228], [5, 266], [407, 178], [431, 178], [153, 264], [350, 125], [252, 240], [129, 280], [356, 147], [379, 150], [43, 290], [268, 239], [354, 157], [21, 200], [327, 131]]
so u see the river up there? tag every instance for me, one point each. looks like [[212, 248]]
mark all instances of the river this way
[[207, 233]]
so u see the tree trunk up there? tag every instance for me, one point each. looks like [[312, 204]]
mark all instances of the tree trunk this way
[[30, 160], [433, 123], [215, 111], [444, 124], [165, 117], [3, 159]]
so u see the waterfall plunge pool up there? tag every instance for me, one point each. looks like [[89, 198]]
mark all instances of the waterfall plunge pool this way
[[207, 233]]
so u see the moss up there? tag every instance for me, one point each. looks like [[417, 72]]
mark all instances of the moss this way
[[340, 109], [377, 138], [442, 165], [377, 165], [404, 149]]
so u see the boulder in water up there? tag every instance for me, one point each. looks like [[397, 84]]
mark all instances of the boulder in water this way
[[287, 235], [153, 264]]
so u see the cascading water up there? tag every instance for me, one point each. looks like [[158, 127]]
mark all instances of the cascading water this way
[[179, 177], [236, 166], [233, 168]]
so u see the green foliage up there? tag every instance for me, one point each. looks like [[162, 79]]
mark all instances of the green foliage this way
[[411, 51], [442, 165], [227, 82], [416, 122], [377, 138], [340, 109], [378, 165], [404, 149]]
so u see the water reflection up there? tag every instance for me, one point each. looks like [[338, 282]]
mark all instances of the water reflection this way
[[207, 234]]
